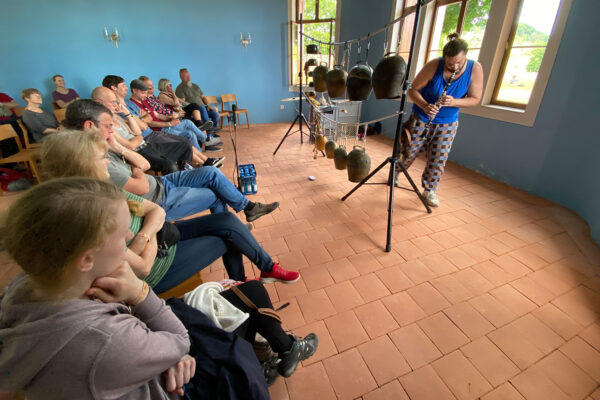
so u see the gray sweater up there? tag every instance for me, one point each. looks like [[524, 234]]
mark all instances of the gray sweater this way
[[37, 123], [84, 349]]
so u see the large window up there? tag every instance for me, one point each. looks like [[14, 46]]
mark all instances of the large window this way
[[515, 41], [319, 19], [524, 52]]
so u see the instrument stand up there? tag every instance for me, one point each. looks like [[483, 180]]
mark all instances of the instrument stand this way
[[394, 161], [300, 116]]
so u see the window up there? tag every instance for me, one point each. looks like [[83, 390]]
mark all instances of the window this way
[[404, 29], [469, 18], [319, 18], [524, 52]]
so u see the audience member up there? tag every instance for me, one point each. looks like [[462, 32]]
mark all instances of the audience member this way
[[7, 116], [191, 93], [181, 193], [164, 157], [202, 240], [38, 122], [63, 96]]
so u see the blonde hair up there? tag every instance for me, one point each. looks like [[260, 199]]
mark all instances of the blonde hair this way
[[72, 153], [162, 84], [53, 223]]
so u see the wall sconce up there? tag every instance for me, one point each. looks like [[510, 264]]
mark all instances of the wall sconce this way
[[113, 36], [245, 41]]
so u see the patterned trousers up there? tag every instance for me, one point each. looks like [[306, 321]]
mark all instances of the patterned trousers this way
[[436, 141]]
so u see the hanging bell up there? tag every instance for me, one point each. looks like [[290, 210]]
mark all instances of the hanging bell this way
[[330, 147], [359, 164], [358, 84], [320, 142], [340, 158], [312, 49], [336, 81], [388, 77], [319, 75]]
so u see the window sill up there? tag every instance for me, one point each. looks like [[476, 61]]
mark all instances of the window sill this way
[[502, 113]]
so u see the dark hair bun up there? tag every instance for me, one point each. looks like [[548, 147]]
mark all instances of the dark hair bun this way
[[453, 36]]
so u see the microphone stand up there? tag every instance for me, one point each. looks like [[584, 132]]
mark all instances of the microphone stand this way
[[394, 160], [300, 116]]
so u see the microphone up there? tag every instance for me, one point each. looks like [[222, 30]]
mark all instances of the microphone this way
[[234, 109]]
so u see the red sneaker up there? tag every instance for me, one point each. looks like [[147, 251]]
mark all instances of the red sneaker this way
[[279, 274]]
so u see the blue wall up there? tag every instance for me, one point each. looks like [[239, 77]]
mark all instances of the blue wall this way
[[557, 158], [43, 38]]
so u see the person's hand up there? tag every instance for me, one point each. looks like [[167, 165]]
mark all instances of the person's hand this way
[[446, 101], [175, 122], [119, 285], [180, 374], [113, 145], [431, 110], [121, 109], [210, 108]]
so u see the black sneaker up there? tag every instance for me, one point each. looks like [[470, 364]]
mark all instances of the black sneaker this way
[[206, 126], [301, 350], [213, 162], [269, 368], [212, 148], [259, 210], [214, 130]]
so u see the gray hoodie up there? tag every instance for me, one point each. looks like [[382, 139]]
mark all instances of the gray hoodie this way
[[84, 349]]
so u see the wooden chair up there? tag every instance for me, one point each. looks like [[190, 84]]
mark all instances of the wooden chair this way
[[212, 100], [28, 156], [230, 98], [19, 111], [55, 106], [60, 114], [183, 287], [28, 144]]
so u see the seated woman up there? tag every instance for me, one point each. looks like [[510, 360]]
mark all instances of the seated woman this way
[[202, 240], [79, 324], [192, 111], [39, 122], [63, 96]]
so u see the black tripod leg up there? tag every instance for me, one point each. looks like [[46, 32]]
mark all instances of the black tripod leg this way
[[412, 183], [388, 240], [286, 134], [366, 178]]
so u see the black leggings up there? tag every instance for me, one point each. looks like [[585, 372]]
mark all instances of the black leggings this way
[[267, 326]]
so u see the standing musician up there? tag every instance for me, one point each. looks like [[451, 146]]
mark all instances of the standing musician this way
[[442, 87]]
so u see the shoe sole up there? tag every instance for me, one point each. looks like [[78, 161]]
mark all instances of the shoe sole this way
[[271, 280], [219, 162], [213, 150], [290, 372]]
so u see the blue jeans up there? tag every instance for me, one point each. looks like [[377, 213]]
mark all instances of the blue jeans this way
[[206, 238], [212, 114], [189, 192], [189, 130]]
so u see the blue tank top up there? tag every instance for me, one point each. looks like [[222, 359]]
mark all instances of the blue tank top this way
[[432, 91]]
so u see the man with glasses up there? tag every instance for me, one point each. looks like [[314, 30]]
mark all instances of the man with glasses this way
[[439, 90]]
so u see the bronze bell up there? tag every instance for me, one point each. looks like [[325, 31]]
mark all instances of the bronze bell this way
[[336, 81], [320, 142], [319, 74], [388, 77], [330, 147], [359, 164], [358, 84], [312, 49], [340, 158]]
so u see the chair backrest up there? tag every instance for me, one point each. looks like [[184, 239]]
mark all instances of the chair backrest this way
[[28, 144], [19, 111], [8, 132], [226, 98], [55, 106], [60, 114], [212, 100]]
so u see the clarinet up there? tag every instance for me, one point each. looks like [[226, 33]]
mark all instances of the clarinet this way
[[437, 102]]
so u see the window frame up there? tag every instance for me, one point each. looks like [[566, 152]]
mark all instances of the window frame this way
[[498, 29], [293, 19]]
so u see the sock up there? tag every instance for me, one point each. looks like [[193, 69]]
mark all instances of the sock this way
[[249, 206]]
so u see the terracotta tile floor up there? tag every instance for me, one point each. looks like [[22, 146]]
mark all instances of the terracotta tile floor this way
[[495, 295]]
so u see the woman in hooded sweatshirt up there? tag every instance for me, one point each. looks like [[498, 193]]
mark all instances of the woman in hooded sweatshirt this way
[[79, 324]]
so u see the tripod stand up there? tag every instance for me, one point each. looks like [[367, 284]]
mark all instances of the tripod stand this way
[[300, 117], [394, 160]]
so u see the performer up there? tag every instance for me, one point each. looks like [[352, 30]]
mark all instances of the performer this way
[[439, 90]]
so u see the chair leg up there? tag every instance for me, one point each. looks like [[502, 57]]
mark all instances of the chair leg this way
[[247, 120], [34, 170]]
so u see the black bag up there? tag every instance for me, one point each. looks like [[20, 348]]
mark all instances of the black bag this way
[[167, 236]]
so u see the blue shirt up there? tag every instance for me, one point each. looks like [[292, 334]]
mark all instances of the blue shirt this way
[[135, 110], [434, 88]]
